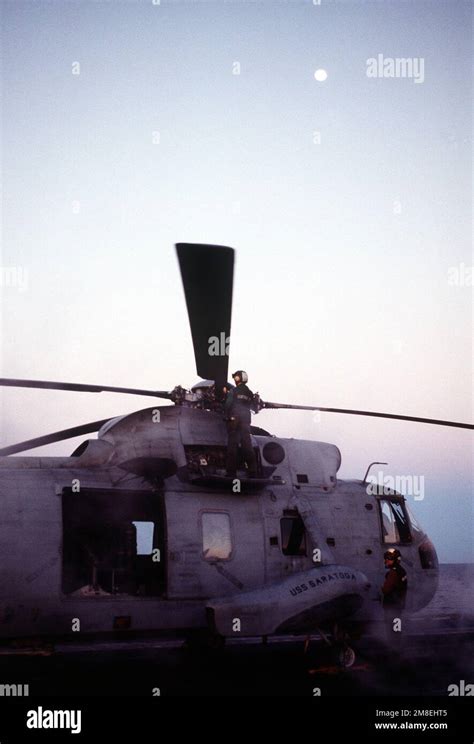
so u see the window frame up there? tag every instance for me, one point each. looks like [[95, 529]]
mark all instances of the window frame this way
[[223, 512], [153, 528], [401, 502], [155, 514]]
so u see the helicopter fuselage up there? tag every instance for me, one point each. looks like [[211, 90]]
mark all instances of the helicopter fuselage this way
[[139, 530]]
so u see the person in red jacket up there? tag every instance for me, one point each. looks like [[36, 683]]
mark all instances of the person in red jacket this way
[[394, 592], [394, 589]]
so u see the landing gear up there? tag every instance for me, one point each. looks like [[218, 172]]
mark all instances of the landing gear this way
[[345, 654], [341, 653], [346, 657]]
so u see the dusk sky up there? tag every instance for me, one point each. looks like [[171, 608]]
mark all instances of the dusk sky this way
[[130, 126]]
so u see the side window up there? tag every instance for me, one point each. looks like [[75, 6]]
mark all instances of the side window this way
[[395, 527], [145, 532], [293, 535], [216, 536], [415, 527]]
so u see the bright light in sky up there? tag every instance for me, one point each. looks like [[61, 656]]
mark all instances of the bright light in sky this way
[[320, 75]]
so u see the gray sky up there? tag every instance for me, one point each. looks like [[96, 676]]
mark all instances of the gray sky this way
[[348, 201]]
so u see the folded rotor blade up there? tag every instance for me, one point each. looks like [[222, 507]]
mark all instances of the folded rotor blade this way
[[57, 436], [207, 273], [81, 388]]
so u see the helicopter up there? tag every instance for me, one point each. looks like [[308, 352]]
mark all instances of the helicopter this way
[[140, 530]]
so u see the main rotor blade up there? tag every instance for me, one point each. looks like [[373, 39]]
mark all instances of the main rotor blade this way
[[77, 387], [207, 273], [436, 422], [57, 436]]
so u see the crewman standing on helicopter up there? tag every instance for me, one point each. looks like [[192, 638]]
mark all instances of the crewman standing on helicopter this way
[[238, 404]]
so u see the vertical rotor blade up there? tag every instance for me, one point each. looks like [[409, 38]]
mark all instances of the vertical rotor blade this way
[[207, 273]]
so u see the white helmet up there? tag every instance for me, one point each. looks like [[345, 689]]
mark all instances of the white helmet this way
[[243, 375]]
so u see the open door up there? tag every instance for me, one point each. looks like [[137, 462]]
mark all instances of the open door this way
[[113, 543]]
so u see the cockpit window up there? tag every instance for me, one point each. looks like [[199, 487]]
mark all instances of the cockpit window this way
[[395, 527], [415, 526]]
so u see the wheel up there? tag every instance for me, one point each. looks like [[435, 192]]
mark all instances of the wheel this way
[[346, 657]]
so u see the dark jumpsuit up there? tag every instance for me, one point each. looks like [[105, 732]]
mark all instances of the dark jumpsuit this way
[[394, 588], [237, 408], [394, 591]]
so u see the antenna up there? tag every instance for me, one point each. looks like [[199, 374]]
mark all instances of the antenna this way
[[367, 471]]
